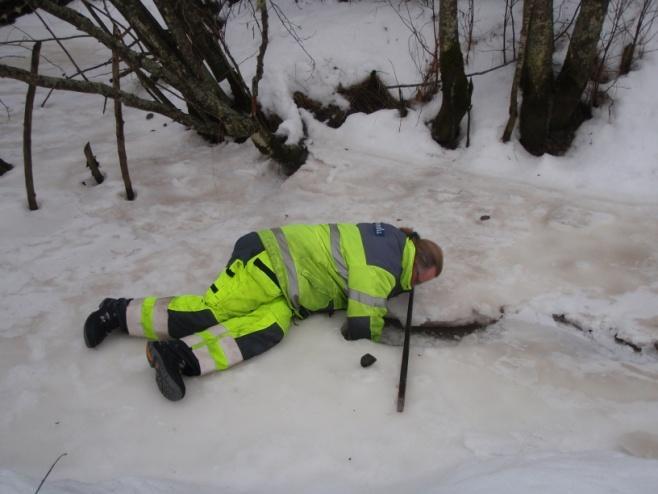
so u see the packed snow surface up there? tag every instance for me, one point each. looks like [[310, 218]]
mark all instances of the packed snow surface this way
[[527, 405]]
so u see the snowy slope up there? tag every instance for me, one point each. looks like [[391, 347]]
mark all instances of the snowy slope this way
[[529, 404]]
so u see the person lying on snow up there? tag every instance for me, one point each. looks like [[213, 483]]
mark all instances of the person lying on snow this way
[[272, 277]]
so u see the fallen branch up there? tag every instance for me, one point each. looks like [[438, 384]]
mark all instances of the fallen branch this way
[[101, 89]]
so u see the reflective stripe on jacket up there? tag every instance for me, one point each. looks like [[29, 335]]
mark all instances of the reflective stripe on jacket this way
[[342, 266]]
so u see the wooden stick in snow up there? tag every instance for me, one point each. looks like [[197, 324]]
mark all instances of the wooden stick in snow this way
[[93, 165], [27, 132], [118, 114]]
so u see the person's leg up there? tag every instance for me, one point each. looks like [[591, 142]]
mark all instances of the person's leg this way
[[151, 317], [218, 348], [239, 289], [245, 284], [168, 317]]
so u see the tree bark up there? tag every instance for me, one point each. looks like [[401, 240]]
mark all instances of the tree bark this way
[[513, 100], [567, 114], [537, 79], [27, 131], [454, 85]]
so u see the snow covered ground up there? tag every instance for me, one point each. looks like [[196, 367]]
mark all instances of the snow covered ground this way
[[529, 405]]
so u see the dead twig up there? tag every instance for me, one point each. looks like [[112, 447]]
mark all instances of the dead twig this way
[[12, 42], [292, 30], [568, 25], [470, 74], [48, 472], [7, 109], [61, 45]]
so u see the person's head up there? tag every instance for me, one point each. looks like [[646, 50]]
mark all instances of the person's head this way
[[428, 262]]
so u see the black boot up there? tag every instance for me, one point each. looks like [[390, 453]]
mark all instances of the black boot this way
[[111, 315], [171, 360]]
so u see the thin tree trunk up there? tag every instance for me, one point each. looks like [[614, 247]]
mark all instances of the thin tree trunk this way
[[511, 16], [537, 80], [27, 131], [505, 31], [514, 96], [629, 50], [261, 6], [454, 85], [118, 114]]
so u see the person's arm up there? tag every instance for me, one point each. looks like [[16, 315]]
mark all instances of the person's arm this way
[[369, 287]]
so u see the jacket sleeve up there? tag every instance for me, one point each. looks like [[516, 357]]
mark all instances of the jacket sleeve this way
[[368, 291]]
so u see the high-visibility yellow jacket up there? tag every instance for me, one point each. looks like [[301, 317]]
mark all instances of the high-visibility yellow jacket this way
[[357, 267]]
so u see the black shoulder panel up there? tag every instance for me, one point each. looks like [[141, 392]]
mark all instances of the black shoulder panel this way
[[384, 245]]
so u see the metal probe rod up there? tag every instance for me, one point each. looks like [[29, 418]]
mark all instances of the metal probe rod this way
[[405, 353]]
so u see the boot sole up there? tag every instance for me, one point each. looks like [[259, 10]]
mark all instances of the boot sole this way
[[87, 342], [87, 330], [166, 383]]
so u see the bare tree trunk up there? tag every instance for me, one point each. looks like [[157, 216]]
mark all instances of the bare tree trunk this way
[[568, 112], [454, 85], [617, 28], [505, 31], [513, 100], [118, 114], [537, 79], [511, 16], [470, 21], [629, 50], [27, 131]]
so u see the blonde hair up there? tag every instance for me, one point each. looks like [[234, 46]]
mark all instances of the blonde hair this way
[[428, 253]]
